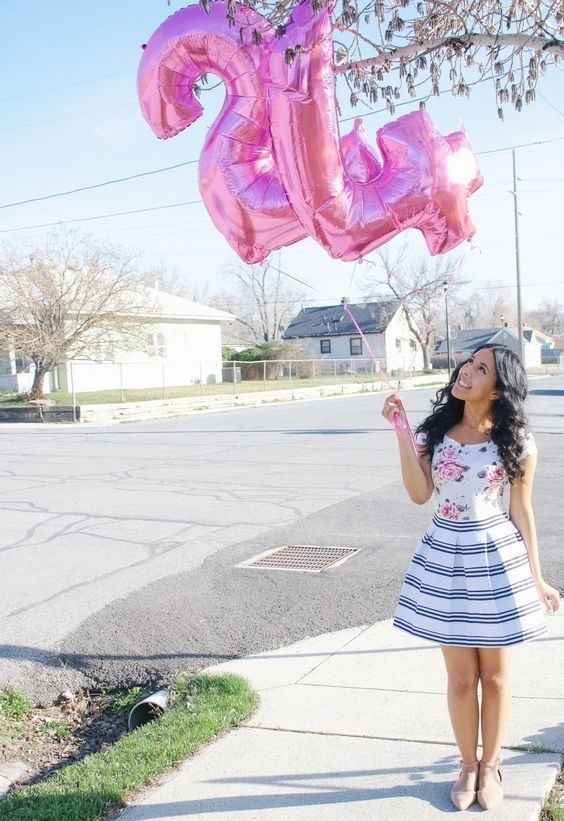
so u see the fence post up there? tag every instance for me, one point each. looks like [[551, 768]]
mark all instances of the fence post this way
[[201, 381], [290, 371], [73, 393], [121, 382], [335, 371], [352, 369], [163, 370], [264, 374], [313, 370], [234, 377]]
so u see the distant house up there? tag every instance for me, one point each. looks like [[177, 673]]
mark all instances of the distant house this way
[[330, 334], [464, 342], [183, 348], [551, 346]]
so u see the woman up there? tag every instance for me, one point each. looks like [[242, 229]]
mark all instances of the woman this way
[[475, 585]]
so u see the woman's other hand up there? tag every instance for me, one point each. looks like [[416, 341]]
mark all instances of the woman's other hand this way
[[393, 406], [549, 596]]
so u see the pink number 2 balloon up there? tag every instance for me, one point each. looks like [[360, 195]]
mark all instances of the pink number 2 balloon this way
[[273, 168]]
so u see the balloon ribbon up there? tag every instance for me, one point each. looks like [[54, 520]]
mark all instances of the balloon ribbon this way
[[399, 425]]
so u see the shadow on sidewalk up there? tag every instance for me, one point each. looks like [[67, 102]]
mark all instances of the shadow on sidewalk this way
[[419, 784]]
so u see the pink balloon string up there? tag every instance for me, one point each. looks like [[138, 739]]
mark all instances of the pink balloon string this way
[[399, 425]]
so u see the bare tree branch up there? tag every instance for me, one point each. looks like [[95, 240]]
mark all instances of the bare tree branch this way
[[418, 284], [425, 42], [262, 302]]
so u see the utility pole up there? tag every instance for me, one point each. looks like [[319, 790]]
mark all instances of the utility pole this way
[[517, 261], [445, 291]]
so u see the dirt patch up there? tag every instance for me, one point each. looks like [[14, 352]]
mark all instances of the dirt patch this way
[[51, 737]]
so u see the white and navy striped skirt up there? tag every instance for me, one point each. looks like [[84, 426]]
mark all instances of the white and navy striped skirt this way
[[469, 584]]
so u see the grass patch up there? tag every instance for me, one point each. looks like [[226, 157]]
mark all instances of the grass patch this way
[[117, 396], [15, 704], [124, 700], [59, 730], [553, 809], [91, 788]]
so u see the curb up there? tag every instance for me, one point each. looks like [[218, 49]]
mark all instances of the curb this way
[[155, 409]]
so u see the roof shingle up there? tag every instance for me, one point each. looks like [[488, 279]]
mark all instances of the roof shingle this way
[[333, 320]]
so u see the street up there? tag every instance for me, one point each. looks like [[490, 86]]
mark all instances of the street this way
[[119, 544]]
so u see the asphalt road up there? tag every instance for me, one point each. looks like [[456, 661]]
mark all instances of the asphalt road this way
[[119, 545]]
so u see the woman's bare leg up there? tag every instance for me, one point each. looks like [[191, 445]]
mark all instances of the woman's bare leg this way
[[462, 696], [494, 669]]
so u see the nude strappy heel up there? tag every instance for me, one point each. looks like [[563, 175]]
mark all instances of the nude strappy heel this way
[[491, 794], [463, 793]]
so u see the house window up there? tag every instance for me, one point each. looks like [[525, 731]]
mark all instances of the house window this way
[[398, 345], [356, 346], [325, 345], [157, 345], [412, 345]]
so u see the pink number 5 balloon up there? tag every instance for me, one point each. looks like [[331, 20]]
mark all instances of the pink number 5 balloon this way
[[273, 168]]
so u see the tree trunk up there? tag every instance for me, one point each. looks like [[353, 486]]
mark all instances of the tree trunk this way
[[426, 356], [38, 382]]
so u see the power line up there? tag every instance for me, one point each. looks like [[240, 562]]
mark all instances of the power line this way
[[98, 185], [101, 216], [180, 165], [558, 111], [521, 145], [67, 116], [66, 85], [359, 299]]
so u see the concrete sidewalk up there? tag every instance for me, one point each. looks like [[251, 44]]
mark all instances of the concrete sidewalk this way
[[354, 725]]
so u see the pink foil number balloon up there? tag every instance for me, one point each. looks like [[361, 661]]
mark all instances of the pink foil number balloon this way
[[239, 181], [274, 168]]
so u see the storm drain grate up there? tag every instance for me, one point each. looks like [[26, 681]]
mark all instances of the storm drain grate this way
[[307, 558]]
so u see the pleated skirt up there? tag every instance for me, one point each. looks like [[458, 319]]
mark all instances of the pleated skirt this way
[[469, 584]]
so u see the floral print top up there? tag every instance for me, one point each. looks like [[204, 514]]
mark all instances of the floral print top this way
[[469, 480]]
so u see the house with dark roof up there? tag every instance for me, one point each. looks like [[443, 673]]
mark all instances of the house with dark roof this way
[[464, 342], [329, 333]]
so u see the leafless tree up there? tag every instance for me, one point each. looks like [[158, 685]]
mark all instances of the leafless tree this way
[[263, 302], [548, 317], [170, 279], [418, 283], [66, 299], [487, 307], [387, 49]]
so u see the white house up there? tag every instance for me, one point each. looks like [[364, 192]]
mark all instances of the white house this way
[[329, 333], [184, 340]]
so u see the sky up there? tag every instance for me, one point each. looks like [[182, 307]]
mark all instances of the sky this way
[[69, 118]]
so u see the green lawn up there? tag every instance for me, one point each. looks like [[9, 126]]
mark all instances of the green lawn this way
[[89, 789], [181, 391]]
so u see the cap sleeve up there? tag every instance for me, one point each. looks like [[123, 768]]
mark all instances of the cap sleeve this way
[[421, 442], [529, 446]]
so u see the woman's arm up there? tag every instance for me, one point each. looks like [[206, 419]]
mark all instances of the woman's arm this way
[[415, 467], [521, 514]]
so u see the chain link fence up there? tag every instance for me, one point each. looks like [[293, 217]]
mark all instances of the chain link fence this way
[[110, 382], [131, 381]]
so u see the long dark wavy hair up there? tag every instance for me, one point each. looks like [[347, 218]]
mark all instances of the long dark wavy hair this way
[[509, 421]]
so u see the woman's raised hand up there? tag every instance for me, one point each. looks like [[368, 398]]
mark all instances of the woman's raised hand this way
[[393, 406]]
